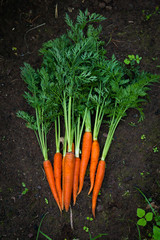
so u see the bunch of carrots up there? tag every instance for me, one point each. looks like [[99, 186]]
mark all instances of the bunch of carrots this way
[[77, 83]]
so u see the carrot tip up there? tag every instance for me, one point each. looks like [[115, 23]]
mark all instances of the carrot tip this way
[[90, 190], [60, 209], [74, 202]]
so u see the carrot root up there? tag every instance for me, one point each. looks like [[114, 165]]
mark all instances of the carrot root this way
[[57, 174], [75, 179], [50, 177], [98, 183], [86, 151], [68, 178], [93, 163], [63, 182]]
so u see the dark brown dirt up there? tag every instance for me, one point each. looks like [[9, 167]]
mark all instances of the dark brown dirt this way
[[131, 161]]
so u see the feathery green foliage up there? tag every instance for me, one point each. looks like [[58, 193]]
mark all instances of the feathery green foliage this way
[[39, 98]]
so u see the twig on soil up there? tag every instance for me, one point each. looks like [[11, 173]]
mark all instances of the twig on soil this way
[[44, 174], [31, 21], [113, 41], [71, 218], [56, 11], [41, 25]]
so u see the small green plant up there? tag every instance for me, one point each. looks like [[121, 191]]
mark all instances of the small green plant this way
[[89, 219], [143, 174], [154, 58], [46, 200], [132, 59], [86, 229], [99, 193], [126, 194], [3, 138], [143, 137], [147, 15], [132, 124], [25, 189], [144, 217], [155, 149]]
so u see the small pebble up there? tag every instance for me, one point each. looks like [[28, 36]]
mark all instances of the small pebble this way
[[30, 235], [102, 5], [99, 208], [108, 7], [39, 187], [107, 1], [105, 135]]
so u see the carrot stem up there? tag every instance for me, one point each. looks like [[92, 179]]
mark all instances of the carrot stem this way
[[42, 135], [88, 121], [99, 114], [57, 134], [78, 133], [111, 132]]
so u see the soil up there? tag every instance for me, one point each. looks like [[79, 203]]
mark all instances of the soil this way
[[131, 162]]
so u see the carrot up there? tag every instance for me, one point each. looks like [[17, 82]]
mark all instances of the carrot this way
[[63, 160], [93, 163], [50, 177], [57, 174], [68, 178], [86, 150], [75, 179], [98, 183], [63, 182]]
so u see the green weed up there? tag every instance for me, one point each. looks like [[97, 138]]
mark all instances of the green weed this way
[[147, 15], [143, 137], [155, 149], [144, 217], [132, 59], [86, 229], [25, 188]]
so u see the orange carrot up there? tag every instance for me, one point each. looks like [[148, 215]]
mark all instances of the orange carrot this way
[[98, 183], [93, 163], [75, 179], [57, 174], [50, 177], [68, 178], [63, 182], [86, 151]]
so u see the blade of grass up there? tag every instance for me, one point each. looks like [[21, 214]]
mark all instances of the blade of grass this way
[[40, 225], [146, 200]]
